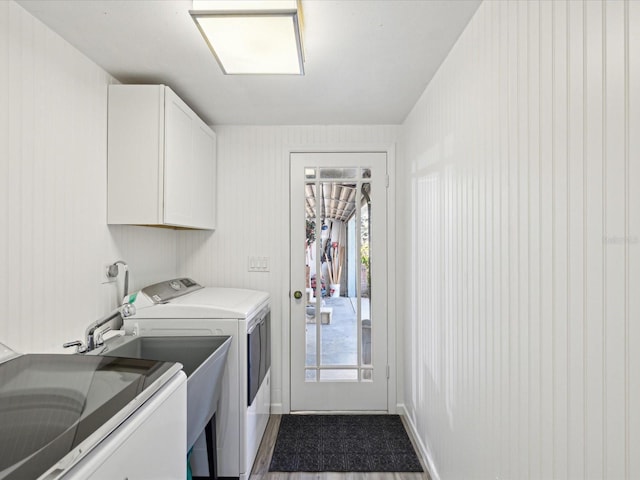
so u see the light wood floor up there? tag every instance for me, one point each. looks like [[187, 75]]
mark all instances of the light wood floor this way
[[263, 459]]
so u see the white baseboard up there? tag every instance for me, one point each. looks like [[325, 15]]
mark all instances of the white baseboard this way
[[424, 453], [276, 409]]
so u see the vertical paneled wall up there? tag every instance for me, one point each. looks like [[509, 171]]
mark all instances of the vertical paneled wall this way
[[253, 215], [520, 246], [54, 240]]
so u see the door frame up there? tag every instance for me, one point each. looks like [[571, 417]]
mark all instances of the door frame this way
[[395, 363]]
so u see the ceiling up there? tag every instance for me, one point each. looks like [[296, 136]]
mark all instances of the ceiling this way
[[337, 200], [366, 61]]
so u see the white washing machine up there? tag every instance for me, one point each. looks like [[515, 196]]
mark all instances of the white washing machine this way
[[82, 417], [183, 307]]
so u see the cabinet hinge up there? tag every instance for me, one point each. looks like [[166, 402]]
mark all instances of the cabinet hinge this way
[[388, 372], [387, 181]]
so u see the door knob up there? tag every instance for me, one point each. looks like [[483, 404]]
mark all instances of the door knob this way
[[297, 294]]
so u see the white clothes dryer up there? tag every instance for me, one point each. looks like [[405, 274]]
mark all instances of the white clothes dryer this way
[[183, 307]]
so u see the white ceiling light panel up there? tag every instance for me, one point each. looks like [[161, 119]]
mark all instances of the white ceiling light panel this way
[[252, 37]]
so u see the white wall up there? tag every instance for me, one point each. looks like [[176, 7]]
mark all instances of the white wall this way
[[519, 242], [521, 227], [253, 216], [54, 239]]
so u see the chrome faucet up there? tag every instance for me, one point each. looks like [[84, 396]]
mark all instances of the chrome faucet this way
[[111, 321], [94, 332]]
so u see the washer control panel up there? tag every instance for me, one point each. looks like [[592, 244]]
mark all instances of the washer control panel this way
[[162, 292]]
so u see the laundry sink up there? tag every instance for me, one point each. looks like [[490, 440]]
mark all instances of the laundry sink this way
[[203, 360]]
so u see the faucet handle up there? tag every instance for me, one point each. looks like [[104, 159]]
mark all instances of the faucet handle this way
[[80, 348], [99, 335]]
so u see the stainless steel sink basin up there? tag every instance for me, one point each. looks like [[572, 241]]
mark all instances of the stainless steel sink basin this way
[[203, 360]]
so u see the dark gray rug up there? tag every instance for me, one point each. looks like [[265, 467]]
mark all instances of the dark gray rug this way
[[343, 443]]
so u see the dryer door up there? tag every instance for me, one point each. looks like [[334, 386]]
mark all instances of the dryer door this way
[[258, 353], [254, 361]]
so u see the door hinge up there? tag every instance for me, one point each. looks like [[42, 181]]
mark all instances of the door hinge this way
[[387, 180], [388, 372]]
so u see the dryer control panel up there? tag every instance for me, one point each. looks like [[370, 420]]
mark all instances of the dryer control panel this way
[[162, 292]]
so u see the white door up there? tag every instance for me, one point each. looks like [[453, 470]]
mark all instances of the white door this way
[[338, 282]]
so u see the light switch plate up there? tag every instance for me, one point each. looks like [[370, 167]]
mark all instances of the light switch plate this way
[[258, 264]]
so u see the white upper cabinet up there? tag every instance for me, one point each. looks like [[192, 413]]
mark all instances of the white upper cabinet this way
[[161, 160]]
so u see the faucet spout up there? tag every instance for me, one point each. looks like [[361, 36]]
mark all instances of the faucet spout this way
[[112, 321]]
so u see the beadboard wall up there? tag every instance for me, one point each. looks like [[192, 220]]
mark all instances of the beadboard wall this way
[[54, 239], [520, 168], [253, 216]]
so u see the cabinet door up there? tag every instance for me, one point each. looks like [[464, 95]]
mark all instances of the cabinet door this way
[[178, 161], [189, 167], [135, 155], [204, 184]]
